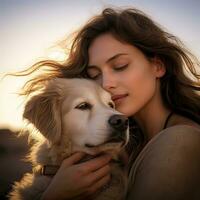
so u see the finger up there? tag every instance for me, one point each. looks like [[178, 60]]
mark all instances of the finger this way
[[98, 174], [73, 159], [98, 185], [96, 163]]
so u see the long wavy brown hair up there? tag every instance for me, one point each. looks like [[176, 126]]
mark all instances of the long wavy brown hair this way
[[180, 85]]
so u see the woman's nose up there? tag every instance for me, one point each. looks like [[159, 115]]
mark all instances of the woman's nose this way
[[108, 82]]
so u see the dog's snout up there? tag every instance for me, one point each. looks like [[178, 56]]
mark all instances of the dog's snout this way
[[118, 122]]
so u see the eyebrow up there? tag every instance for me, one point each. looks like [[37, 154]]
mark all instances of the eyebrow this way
[[110, 59]]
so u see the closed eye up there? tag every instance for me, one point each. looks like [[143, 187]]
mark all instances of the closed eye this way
[[121, 68], [93, 73], [84, 106], [94, 77]]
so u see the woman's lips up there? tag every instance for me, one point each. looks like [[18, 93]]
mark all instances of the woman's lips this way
[[118, 98]]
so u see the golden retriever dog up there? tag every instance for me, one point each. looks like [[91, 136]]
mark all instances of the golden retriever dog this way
[[72, 115]]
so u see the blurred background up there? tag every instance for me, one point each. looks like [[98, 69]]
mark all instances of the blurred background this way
[[30, 30]]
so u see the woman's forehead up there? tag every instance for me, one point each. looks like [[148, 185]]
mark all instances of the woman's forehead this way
[[106, 47]]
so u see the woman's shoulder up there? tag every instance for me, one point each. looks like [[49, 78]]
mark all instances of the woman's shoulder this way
[[178, 120], [181, 129], [168, 165], [175, 141]]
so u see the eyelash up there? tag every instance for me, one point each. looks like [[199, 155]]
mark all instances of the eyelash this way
[[121, 68], [94, 77]]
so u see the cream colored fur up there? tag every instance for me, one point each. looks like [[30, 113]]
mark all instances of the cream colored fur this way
[[70, 113]]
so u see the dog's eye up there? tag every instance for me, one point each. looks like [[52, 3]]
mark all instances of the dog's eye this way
[[84, 106], [111, 105]]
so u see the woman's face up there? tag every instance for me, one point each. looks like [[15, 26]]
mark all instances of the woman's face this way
[[123, 71]]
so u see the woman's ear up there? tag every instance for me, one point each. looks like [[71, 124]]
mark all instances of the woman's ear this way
[[43, 111], [159, 67]]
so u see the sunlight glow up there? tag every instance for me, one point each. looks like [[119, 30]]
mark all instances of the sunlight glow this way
[[57, 54], [11, 104]]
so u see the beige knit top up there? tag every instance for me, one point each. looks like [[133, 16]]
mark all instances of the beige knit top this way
[[168, 168]]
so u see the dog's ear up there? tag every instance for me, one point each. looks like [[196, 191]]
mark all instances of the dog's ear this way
[[43, 111]]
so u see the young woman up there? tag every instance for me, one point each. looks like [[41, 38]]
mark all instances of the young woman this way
[[152, 80]]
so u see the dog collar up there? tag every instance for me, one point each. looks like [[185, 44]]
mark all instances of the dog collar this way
[[46, 170], [51, 170]]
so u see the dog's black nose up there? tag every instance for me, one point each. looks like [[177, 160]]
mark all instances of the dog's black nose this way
[[118, 122]]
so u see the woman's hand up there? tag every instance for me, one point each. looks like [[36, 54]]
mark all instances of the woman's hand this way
[[79, 180]]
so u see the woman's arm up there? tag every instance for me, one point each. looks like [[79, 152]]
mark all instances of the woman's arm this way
[[79, 180]]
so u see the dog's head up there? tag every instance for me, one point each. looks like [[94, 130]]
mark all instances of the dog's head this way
[[79, 111]]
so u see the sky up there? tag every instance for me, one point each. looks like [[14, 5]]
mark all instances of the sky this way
[[31, 28]]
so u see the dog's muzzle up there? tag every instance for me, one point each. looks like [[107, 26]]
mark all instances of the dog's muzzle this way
[[118, 130], [119, 126], [118, 122]]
